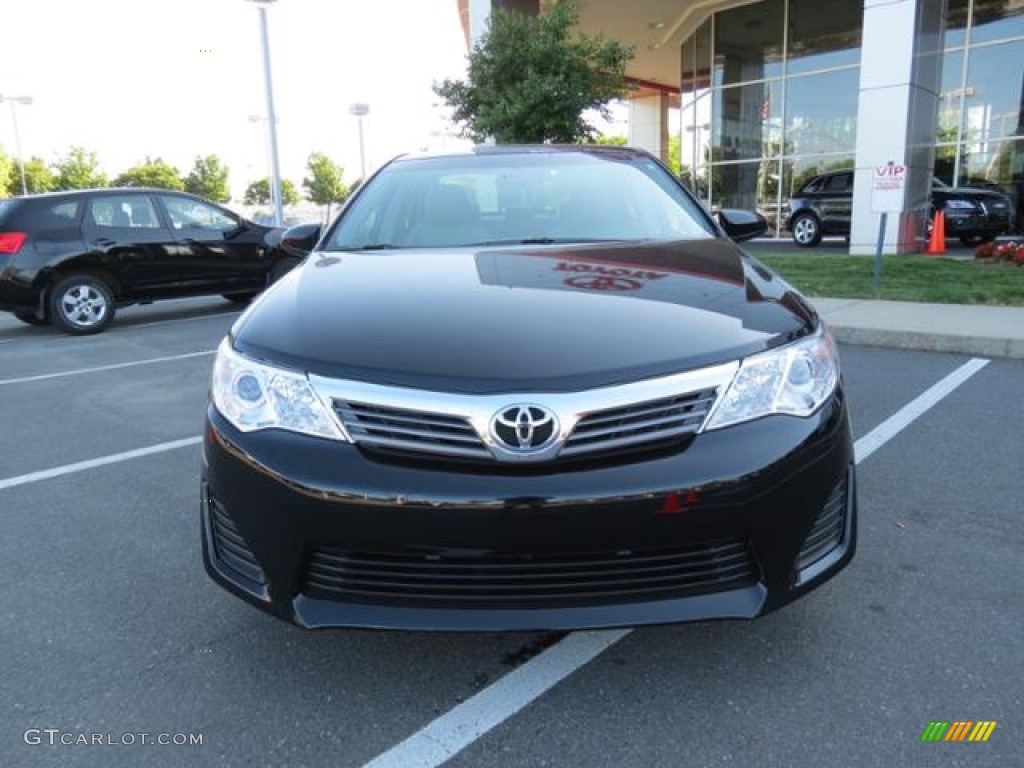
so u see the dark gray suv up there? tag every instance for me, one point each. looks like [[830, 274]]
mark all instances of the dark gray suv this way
[[823, 205]]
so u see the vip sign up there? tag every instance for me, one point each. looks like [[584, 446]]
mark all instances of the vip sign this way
[[888, 185]]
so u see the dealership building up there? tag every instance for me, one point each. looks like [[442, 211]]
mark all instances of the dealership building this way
[[764, 94]]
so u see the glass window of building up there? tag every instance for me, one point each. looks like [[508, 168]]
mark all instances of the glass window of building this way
[[957, 13], [747, 121], [950, 97], [993, 107], [748, 43], [997, 20], [823, 34], [821, 112]]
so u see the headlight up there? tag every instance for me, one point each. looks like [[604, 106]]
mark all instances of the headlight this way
[[960, 204], [255, 396], [796, 379]]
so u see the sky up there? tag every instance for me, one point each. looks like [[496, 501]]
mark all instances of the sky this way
[[180, 78]]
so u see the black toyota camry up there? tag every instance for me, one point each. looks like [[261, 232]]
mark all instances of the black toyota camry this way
[[525, 388]]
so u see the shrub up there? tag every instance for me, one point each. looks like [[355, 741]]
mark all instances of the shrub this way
[[1012, 252]]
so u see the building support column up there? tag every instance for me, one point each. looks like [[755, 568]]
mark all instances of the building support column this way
[[648, 123], [900, 77]]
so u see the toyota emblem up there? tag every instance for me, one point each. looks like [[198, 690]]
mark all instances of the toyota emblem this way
[[524, 428]]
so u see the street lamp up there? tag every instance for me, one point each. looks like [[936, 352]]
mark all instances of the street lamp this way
[[275, 172], [12, 100], [360, 110], [257, 120]]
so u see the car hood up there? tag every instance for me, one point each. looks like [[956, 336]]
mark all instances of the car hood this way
[[524, 319]]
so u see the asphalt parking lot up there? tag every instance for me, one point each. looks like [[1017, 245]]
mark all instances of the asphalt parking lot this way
[[110, 626]]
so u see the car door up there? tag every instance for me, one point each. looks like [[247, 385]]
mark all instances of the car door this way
[[228, 251], [837, 203], [124, 234]]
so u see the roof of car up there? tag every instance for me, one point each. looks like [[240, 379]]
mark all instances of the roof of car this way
[[103, 191], [520, 149]]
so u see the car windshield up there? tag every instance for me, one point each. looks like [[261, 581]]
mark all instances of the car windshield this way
[[527, 197]]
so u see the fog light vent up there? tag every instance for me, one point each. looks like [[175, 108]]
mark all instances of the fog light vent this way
[[828, 530]]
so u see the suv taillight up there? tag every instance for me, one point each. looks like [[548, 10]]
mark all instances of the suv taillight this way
[[10, 242]]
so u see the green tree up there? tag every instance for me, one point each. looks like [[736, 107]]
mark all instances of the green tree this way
[[675, 155], [8, 172], [324, 185], [674, 151], [79, 169], [151, 173], [530, 79], [38, 177], [258, 193], [209, 178]]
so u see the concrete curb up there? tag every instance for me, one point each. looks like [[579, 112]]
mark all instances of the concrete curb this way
[[931, 342], [965, 329]]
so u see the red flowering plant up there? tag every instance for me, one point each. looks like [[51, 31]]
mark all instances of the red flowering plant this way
[[1012, 252]]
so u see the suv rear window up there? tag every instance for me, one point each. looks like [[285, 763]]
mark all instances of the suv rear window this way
[[6, 207]]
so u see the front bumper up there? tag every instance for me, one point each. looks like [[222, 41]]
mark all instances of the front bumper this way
[[740, 522], [958, 222]]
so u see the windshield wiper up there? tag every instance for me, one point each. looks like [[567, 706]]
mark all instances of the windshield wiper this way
[[549, 241], [368, 247]]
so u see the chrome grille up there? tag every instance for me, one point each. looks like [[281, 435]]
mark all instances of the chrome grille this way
[[604, 420], [386, 427], [641, 423], [548, 580]]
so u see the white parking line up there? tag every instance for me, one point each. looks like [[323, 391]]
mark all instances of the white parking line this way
[[471, 719], [179, 320], [113, 367], [81, 466], [115, 332], [896, 423], [449, 734]]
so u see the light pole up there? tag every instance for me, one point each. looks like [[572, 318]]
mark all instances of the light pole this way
[[275, 172], [360, 111], [257, 120], [12, 100]]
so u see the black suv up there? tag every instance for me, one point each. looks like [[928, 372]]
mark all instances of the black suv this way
[[823, 206], [72, 258]]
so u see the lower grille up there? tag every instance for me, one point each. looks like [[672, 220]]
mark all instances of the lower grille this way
[[520, 580], [229, 547], [828, 530]]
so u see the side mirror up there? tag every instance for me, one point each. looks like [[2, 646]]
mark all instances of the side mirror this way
[[299, 240], [742, 225]]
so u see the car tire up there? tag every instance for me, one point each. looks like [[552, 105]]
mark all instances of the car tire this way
[[976, 239], [81, 304], [806, 230], [31, 318]]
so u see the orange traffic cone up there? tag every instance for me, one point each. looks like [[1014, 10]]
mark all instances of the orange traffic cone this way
[[937, 242]]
